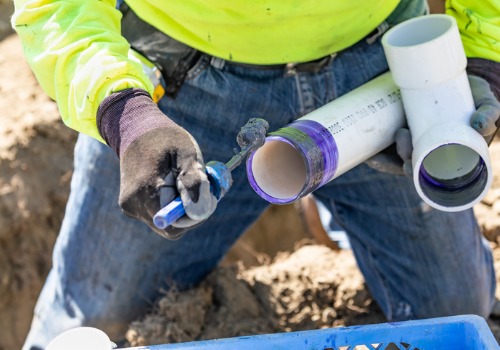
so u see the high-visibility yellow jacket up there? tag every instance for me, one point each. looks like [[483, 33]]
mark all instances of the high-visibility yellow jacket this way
[[79, 57]]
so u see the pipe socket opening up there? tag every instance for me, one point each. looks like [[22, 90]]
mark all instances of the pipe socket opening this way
[[279, 171], [414, 33], [453, 175]]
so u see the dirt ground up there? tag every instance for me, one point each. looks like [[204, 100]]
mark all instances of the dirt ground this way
[[276, 279]]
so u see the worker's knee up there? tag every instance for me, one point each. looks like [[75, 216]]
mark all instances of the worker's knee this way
[[455, 303], [453, 294], [449, 300]]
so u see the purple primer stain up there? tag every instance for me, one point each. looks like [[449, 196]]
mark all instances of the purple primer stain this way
[[317, 147], [457, 184], [325, 142], [455, 192]]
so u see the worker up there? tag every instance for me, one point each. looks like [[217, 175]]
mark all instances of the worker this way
[[223, 62]]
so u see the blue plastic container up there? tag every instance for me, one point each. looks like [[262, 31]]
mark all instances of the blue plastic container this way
[[447, 333]]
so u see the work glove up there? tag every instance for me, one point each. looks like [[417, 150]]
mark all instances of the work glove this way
[[395, 159], [158, 161], [484, 80], [486, 118]]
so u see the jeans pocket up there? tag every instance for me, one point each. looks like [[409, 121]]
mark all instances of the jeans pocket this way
[[199, 66]]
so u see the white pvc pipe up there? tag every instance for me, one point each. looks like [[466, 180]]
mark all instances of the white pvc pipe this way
[[81, 338], [324, 144], [451, 164]]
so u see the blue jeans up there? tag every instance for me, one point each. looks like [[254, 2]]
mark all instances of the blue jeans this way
[[108, 269]]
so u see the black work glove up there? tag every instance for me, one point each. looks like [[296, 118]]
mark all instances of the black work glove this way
[[158, 161], [484, 80]]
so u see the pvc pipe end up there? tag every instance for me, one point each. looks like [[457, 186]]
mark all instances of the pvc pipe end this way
[[81, 338], [424, 51], [277, 171], [452, 171], [419, 30], [294, 161]]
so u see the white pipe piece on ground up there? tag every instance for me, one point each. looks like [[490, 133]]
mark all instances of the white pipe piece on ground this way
[[451, 164], [81, 338], [306, 154]]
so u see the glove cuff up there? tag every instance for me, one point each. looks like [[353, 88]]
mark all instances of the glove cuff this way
[[125, 115], [488, 70]]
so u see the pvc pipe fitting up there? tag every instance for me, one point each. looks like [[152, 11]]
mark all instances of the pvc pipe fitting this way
[[81, 338], [324, 144], [451, 164]]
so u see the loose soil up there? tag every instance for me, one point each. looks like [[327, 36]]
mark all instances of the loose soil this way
[[274, 280]]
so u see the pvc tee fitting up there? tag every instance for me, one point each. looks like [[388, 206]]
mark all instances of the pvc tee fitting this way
[[451, 164], [315, 149]]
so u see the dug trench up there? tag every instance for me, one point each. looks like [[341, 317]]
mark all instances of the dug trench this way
[[276, 278]]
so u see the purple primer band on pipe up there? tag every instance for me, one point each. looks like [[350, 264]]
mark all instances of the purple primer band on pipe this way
[[316, 146], [325, 142]]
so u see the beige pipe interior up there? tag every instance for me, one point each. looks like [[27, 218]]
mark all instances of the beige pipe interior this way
[[279, 169]]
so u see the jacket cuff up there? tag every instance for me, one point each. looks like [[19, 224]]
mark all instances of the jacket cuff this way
[[488, 70]]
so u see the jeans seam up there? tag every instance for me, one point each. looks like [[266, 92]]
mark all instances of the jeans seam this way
[[384, 288], [375, 269], [336, 214], [330, 78], [200, 65], [304, 93]]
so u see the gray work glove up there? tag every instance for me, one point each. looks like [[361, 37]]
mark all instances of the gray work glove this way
[[486, 118], [396, 159], [158, 161]]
